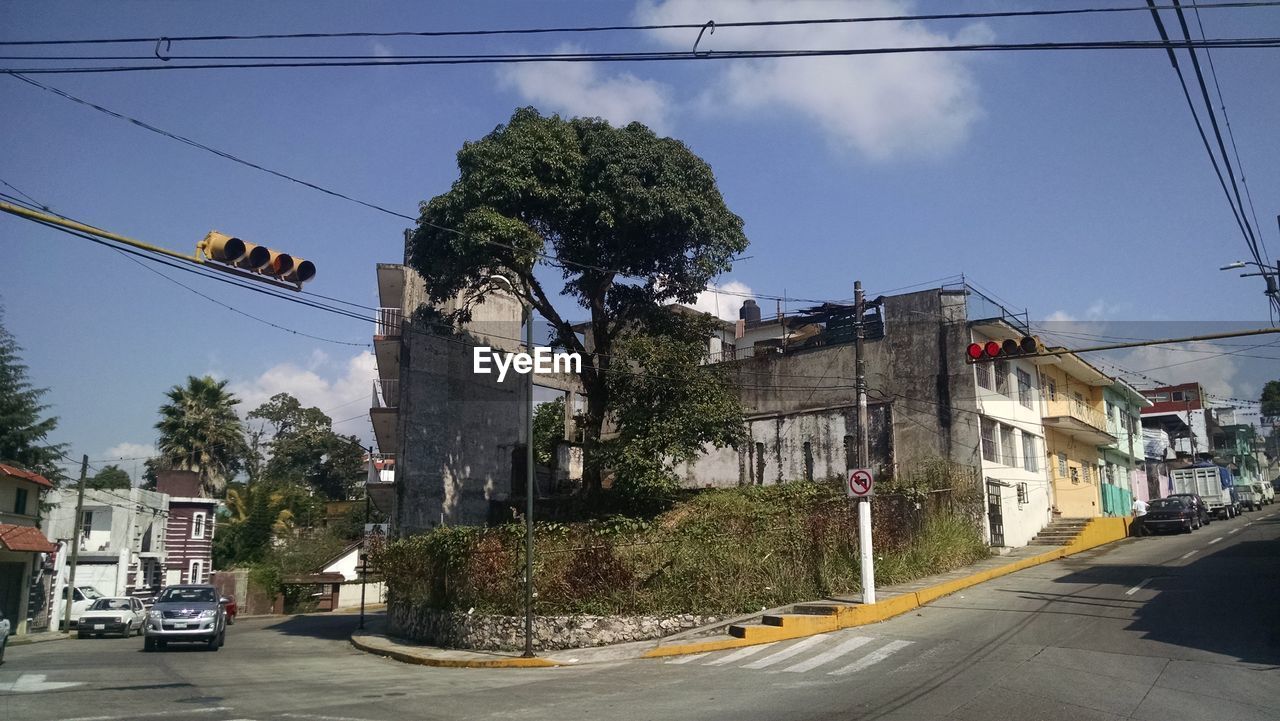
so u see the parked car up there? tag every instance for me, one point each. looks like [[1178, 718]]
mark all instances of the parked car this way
[[4, 635], [232, 609], [120, 614], [1171, 514], [1250, 495], [82, 599], [188, 613], [1202, 508], [1269, 493]]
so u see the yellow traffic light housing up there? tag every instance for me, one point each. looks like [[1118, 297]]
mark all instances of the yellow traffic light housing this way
[[239, 257]]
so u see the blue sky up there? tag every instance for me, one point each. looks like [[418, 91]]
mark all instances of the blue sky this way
[[1072, 184]]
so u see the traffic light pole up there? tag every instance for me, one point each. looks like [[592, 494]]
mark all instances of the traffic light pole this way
[[867, 556], [528, 498]]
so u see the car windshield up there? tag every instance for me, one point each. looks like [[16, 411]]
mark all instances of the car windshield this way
[[1167, 504], [180, 595], [90, 593], [111, 604]]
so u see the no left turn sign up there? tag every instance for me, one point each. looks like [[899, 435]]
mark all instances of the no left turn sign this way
[[859, 483]]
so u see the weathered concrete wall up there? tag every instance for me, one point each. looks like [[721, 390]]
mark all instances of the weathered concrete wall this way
[[505, 633], [916, 374]]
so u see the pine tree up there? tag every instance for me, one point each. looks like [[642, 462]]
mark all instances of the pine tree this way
[[24, 433]]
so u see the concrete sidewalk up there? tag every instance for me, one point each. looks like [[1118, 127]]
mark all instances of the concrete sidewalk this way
[[37, 637], [804, 619]]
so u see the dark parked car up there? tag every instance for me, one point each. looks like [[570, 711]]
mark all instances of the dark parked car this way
[[1171, 514], [1202, 508]]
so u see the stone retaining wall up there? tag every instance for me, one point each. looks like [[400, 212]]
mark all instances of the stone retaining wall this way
[[483, 632]]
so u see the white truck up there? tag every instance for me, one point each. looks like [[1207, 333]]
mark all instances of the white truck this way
[[1206, 481]]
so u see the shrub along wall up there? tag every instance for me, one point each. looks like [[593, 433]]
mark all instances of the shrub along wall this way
[[722, 552]]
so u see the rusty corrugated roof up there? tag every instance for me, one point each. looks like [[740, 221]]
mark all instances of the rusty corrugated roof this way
[[25, 475], [27, 539]]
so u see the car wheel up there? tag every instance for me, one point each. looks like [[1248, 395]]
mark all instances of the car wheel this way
[[231, 620], [149, 644], [81, 634], [212, 644], [222, 638]]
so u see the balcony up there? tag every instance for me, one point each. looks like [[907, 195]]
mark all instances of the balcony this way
[[386, 341], [384, 413], [1077, 419], [387, 324]]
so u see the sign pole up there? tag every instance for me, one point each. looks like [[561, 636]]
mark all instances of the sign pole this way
[[867, 560]]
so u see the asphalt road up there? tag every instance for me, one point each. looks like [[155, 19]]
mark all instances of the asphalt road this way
[[1168, 628]]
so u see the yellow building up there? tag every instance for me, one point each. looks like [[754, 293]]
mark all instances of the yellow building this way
[[1075, 425]]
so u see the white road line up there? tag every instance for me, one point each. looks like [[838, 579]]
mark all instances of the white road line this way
[[787, 652], [316, 717], [1138, 587], [1234, 530], [872, 658], [1219, 538], [738, 655], [1188, 554], [690, 657], [830, 655], [183, 712]]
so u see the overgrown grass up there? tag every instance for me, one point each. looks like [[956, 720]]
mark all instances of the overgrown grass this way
[[721, 551]]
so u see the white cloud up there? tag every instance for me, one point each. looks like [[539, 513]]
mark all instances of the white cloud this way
[[580, 89], [129, 457], [1059, 316], [341, 395], [1216, 372], [721, 304], [880, 106]]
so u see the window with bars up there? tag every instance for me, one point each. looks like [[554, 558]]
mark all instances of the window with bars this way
[[1002, 377], [1008, 446], [1062, 465], [987, 428], [1030, 452], [983, 371], [1024, 388]]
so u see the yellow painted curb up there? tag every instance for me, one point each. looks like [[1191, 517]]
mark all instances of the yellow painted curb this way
[[404, 657], [1099, 532]]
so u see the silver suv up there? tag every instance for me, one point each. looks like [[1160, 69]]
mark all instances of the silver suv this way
[[192, 613]]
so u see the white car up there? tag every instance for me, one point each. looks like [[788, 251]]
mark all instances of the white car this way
[[121, 614], [4, 635], [82, 599]]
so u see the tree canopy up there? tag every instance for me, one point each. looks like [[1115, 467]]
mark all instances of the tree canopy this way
[[627, 221], [1271, 399], [200, 431], [304, 448], [111, 476], [24, 427]]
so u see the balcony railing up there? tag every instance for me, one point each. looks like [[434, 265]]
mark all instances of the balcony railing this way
[[386, 393], [1078, 410], [388, 322]]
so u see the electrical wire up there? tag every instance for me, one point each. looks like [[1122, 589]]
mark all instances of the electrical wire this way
[[636, 27], [665, 56]]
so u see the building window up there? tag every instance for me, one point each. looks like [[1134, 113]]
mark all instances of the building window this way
[[1002, 377], [1008, 446], [195, 573], [1030, 452], [808, 461], [988, 431], [197, 525], [983, 370], [1053, 390], [1111, 473], [1022, 493], [86, 523], [1062, 465], [1075, 474], [20, 501], [1024, 388]]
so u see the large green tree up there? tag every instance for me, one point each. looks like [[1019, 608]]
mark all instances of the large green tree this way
[[111, 476], [1271, 399], [548, 431], [24, 427], [623, 220], [303, 447], [200, 431], [671, 407]]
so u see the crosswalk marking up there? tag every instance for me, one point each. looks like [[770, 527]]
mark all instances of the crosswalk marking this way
[[787, 653], [690, 657], [738, 655], [829, 655], [872, 658]]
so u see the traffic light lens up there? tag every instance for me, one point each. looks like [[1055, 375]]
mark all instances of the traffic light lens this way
[[1010, 347], [975, 351], [303, 272], [1030, 345], [992, 349]]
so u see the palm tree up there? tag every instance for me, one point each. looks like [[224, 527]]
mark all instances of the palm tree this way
[[200, 431]]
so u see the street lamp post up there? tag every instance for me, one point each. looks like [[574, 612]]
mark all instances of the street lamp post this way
[[528, 479], [1268, 274]]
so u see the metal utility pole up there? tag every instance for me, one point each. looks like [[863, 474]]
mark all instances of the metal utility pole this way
[[364, 542], [75, 546], [867, 558], [528, 498]]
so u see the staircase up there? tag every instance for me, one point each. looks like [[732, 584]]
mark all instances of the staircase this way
[[1060, 532]]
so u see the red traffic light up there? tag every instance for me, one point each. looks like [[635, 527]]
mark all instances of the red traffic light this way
[[975, 351], [992, 349]]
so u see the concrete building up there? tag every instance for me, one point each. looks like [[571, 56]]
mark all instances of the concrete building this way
[[1075, 428], [1124, 475], [121, 539], [188, 532], [22, 548], [1183, 411]]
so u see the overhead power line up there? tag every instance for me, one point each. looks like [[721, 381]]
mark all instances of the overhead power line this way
[[710, 23]]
